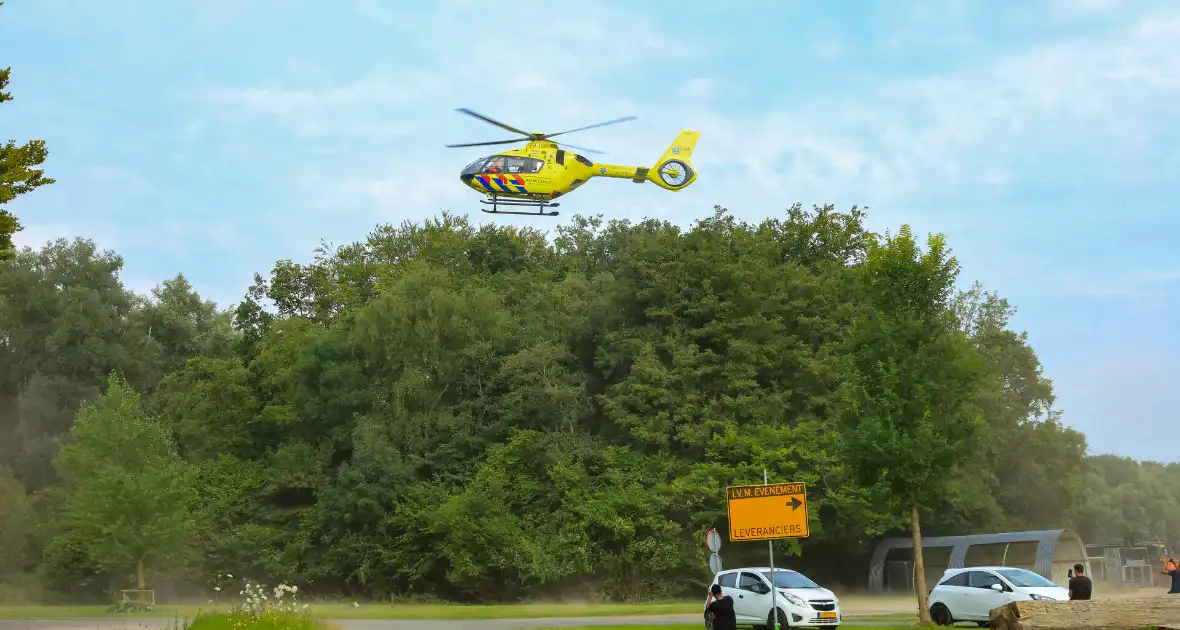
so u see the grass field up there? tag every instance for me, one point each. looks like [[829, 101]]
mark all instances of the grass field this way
[[377, 611], [692, 626], [414, 611]]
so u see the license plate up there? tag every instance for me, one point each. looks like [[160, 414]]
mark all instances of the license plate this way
[[828, 615]]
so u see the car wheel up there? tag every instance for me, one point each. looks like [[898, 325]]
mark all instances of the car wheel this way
[[941, 615], [983, 624], [782, 619]]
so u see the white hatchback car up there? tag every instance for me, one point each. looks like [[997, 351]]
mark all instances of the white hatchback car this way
[[801, 602], [969, 594]]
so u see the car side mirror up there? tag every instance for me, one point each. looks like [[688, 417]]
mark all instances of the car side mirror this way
[[997, 587], [761, 588]]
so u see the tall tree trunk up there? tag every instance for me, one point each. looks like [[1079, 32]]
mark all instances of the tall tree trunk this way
[[141, 580], [919, 565]]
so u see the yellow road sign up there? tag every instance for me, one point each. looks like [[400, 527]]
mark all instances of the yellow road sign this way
[[767, 512]]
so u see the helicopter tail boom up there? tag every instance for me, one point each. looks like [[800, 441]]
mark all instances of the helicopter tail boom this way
[[674, 170]]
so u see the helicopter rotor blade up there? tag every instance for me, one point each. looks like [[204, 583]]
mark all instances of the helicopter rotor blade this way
[[596, 125], [484, 144], [494, 122], [594, 151]]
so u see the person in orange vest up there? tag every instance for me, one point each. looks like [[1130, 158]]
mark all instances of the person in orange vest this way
[[1172, 570]]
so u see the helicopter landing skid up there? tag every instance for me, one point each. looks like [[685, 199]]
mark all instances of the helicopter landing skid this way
[[495, 203]]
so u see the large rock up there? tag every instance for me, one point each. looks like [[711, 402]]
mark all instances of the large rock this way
[[1161, 612]]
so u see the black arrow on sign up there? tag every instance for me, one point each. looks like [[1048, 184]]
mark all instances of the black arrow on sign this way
[[794, 503]]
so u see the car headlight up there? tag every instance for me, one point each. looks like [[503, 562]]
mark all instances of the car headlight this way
[[794, 599], [1042, 598]]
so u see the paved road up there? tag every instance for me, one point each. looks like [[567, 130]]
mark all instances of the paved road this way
[[386, 624]]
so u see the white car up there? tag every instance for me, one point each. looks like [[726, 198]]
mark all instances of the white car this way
[[969, 594], [801, 602]]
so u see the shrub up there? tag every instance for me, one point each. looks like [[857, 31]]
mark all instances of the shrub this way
[[258, 610], [269, 620]]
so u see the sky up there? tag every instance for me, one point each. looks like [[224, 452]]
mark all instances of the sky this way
[[1042, 137]]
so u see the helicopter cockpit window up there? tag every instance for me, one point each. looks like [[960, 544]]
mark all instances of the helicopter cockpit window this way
[[504, 164], [514, 164]]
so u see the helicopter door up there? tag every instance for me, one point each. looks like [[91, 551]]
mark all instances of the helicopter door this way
[[516, 164], [528, 166]]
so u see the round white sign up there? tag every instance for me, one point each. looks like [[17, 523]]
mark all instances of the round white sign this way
[[713, 540]]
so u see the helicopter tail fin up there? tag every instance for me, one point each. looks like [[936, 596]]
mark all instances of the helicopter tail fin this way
[[674, 169]]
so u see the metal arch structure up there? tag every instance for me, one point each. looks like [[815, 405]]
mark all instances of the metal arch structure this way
[[1046, 547]]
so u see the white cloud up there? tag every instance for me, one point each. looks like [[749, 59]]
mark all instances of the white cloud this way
[[1081, 8], [946, 125], [1076, 109], [528, 81], [1141, 283], [373, 10], [829, 49], [698, 89], [123, 179], [329, 110], [1130, 388]]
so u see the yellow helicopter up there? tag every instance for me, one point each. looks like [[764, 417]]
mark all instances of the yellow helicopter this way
[[542, 171]]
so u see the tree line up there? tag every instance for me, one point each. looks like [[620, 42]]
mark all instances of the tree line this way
[[483, 412], [492, 414]]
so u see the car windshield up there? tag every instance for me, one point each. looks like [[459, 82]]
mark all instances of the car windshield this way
[[790, 579], [1021, 577]]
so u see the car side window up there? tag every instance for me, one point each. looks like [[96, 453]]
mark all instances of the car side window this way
[[750, 582], [983, 579], [958, 579], [729, 580]]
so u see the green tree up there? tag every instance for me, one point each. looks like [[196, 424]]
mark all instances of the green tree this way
[[1037, 476], [439, 408], [130, 494], [16, 523], [182, 325], [18, 174], [68, 322], [910, 416], [210, 407]]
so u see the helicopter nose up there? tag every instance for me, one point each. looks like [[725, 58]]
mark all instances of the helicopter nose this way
[[466, 178]]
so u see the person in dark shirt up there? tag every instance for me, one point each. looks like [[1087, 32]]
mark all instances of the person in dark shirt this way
[[722, 609], [1080, 586], [1171, 570]]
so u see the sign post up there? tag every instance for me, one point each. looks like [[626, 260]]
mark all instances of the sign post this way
[[713, 542], [773, 581], [768, 512]]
